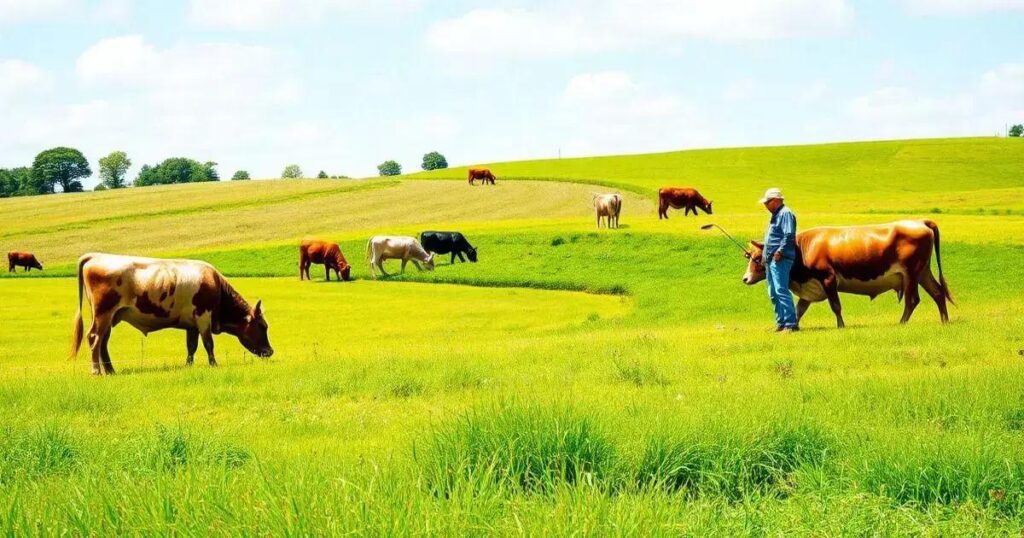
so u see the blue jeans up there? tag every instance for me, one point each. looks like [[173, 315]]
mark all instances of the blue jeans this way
[[778, 292]]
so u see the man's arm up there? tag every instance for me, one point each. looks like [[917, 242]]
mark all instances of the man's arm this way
[[787, 225]]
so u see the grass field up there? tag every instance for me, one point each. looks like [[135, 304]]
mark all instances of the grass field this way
[[575, 381]]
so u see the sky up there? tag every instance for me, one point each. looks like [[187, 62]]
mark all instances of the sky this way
[[342, 85]]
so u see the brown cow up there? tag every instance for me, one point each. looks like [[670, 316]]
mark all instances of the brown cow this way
[[329, 254], [864, 260], [483, 174], [153, 294], [22, 259], [686, 198]]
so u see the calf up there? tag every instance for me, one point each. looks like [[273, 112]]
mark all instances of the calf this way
[[685, 198], [483, 174], [323, 252], [22, 259], [385, 247], [152, 294], [864, 260], [453, 243], [608, 206]]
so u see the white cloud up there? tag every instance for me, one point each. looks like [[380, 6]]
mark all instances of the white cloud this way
[[739, 90], [20, 80], [961, 7], [563, 28], [263, 14], [12, 11], [607, 112], [1005, 82], [814, 92]]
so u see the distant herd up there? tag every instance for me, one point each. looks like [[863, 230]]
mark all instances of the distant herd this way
[[153, 294]]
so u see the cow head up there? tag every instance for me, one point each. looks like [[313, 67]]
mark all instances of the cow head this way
[[346, 272], [253, 332], [429, 262], [707, 207], [35, 264], [471, 254], [755, 267], [342, 267]]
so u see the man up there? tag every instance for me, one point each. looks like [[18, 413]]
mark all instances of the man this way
[[779, 255]]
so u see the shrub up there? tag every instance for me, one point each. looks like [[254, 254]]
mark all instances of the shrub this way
[[389, 168]]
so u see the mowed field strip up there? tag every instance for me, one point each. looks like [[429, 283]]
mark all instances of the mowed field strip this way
[[575, 380]]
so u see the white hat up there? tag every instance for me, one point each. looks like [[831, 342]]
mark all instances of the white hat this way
[[771, 194]]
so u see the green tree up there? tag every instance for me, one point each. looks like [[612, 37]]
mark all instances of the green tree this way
[[292, 171], [60, 166], [113, 168], [176, 170], [240, 175], [322, 175], [101, 187], [1017, 130], [389, 168], [434, 161]]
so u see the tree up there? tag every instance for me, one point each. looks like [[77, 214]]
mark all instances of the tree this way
[[1017, 130], [240, 175], [102, 187], [434, 161], [176, 170], [113, 167], [17, 182], [322, 175], [389, 168], [60, 166], [292, 171]]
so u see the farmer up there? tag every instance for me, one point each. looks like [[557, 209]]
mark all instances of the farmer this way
[[779, 255]]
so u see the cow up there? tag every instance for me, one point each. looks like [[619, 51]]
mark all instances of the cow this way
[[686, 198], [22, 259], [324, 252], [151, 294], [863, 260], [389, 247], [483, 174], [453, 243], [608, 206]]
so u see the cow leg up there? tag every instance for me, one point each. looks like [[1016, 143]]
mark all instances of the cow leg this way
[[402, 270], [327, 270], [934, 289], [832, 292], [191, 345], [801, 308], [453, 258], [108, 366], [417, 264], [911, 298], [208, 346], [97, 334], [461, 258], [380, 266]]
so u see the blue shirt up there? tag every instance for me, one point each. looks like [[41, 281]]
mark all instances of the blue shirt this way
[[781, 235]]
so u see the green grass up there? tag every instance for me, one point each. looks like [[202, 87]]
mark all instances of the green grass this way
[[574, 381]]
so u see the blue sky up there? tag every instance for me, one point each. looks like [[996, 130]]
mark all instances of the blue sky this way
[[341, 85]]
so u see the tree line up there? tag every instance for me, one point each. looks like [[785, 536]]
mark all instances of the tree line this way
[[64, 168]]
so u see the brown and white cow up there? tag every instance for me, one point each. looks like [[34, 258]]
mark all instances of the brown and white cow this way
[[863, 260], [483, 174], [389, 247], [686, 198], [153, 294], [608, 206], [329, 254], [22, 259]]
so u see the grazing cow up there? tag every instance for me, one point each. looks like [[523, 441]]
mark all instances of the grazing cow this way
[[864, 260], [453, 243], [329, 254], [22, 259], [483, 174], [153, 294], [608, 206], [681, 198], [388, 247]]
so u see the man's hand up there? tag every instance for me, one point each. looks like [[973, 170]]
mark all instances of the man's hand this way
[[778, 256]]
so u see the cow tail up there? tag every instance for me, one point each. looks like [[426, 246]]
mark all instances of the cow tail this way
[[938, 260], [76, 335]]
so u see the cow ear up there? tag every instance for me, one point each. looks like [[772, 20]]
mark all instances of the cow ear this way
[[257, 311]]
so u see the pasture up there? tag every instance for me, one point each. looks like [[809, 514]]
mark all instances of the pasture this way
[[575, 380]]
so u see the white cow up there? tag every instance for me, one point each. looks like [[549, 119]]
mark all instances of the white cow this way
[[608, 206], [390, 247]]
